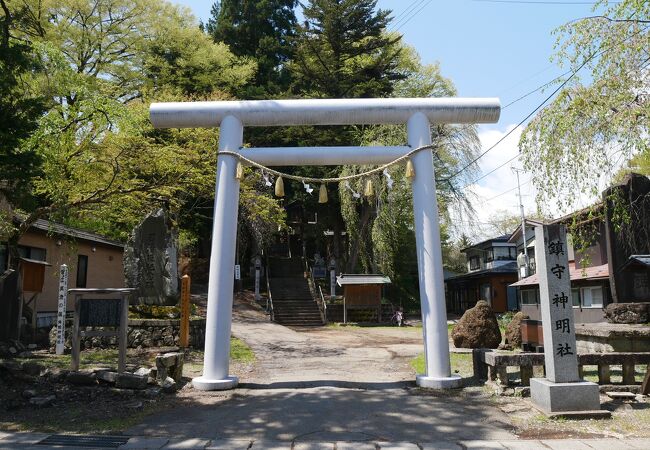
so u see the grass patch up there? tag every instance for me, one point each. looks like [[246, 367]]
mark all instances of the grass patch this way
[[461, 364], [240, 352]]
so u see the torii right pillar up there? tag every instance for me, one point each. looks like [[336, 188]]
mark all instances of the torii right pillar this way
[[427, 240]]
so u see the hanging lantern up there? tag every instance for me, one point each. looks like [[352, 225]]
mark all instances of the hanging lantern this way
[[368, 190], [322, 194], [279, 187], [239, 173], [410, 170]]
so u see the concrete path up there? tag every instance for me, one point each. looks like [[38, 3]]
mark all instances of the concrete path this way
[[33, 441], [342, 356], [325, 385]]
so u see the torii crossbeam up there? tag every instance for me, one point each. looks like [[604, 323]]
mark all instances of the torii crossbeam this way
[[232, 116]]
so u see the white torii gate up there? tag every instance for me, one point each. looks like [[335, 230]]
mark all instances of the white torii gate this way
[[232, 116]]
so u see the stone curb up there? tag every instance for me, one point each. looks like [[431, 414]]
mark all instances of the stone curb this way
[[10, 440]]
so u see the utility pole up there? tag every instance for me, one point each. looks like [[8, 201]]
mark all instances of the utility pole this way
[[523, 220]]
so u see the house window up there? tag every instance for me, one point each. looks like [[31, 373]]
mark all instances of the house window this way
[[592, 297], [82, 271], [474, 263], [575, 296], [490, 255], [529, 297], [35, 253]]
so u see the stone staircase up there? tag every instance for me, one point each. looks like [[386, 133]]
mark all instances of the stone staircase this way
[[293, 304]]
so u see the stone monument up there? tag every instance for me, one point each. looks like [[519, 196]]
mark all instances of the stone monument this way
[[562, 390], [151, 261]]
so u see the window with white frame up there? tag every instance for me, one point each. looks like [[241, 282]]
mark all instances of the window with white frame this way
[[529, 296], [592, 297]]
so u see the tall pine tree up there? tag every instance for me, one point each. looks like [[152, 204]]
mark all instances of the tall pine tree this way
[[260, 29], [344, 50]]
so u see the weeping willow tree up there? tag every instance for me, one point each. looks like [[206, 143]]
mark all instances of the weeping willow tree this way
[[380, 227], [601, 117]]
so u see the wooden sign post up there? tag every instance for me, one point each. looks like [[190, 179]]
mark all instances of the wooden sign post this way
[[562, 390], [185, 312], [62, 309]]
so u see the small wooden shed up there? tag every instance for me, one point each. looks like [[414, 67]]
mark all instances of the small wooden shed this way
[[362, 291]]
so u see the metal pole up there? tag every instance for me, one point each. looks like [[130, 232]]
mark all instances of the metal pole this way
[[222, 263], [427, 240], [523, 223]]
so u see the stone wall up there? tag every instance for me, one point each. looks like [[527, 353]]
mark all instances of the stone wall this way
[[608, 338], [143, 333]]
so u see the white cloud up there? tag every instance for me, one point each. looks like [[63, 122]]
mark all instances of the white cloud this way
[[497, 191]]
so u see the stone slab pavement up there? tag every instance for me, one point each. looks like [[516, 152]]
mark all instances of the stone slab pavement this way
[[30, 441]]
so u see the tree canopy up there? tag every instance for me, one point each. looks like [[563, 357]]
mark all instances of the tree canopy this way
[[600, 119]]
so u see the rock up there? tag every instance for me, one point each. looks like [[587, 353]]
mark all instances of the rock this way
[[130, 381], [170, 364], [143, 372], [55, 375], [107, 376], [151, 392], [12, 350], [522, 391], [168, 385], [134, 405], [32, 347], [81, 378], [29, 393], [32, 368], [151, 260], [478, 328], [42, 402], [513, 330], [630, 313]]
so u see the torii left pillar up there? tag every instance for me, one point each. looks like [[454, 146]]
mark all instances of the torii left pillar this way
[[222, 264]]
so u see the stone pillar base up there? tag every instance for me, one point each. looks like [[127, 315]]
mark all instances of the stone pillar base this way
[[560, 397], [204, 384], [450, 382]]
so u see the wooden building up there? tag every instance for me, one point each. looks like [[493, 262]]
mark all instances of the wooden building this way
[[362, 292]]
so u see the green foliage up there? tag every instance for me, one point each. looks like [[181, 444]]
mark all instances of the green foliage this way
[[262, 31], [20, 108], [343, 51], [577, 141]]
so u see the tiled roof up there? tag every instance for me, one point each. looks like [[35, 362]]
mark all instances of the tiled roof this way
[[588, 273], [57, 228]]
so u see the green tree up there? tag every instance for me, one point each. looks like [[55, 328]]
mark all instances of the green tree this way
[[344, 51], [20, 109], [576, 143], [100, 162], [262, 31]]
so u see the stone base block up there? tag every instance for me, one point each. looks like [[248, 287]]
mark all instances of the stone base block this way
[[558, 397], [204, 384], [450, 382]]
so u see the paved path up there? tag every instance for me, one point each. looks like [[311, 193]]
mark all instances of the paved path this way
[[326, 385], [32, 440], [343, 356]]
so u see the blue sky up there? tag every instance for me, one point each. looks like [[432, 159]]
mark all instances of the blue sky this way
[[488, 49]]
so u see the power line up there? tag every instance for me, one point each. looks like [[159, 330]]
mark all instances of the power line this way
[[536, 89], [404, 11], [561, 86], [506, 192], [411, 16], [541, 2]]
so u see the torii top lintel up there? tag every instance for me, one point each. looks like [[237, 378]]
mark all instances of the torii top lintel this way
[[362, 111]]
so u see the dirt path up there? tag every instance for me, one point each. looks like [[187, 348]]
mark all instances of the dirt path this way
[[340, 356]]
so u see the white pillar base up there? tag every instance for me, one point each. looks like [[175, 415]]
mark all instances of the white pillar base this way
[[450, 382], [204, 384]]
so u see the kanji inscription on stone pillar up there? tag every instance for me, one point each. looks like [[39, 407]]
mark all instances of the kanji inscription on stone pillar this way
[[552, 262]]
